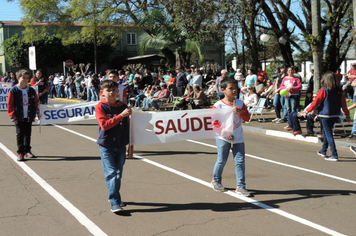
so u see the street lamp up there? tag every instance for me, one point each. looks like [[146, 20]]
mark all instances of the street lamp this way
[[282, 40], [264, 38]]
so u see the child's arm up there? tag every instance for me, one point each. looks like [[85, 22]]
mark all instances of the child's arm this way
[[243, 112], [108, 123], [11, 108]]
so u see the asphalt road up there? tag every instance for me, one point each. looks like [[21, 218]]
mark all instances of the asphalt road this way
[[166, 188]]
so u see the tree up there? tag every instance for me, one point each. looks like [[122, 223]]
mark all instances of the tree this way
[[16, 51], [94, 17], [316, 44]]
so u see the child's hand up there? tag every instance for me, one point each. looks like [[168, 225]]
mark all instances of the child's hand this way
[[15, 122], [237, 109], [231, 137], [126, 112]]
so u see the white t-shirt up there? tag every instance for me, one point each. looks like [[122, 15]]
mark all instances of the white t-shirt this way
[[237, 132], [25, 101]]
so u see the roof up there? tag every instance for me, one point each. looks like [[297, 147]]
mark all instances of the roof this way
[[152, 57], [19, 23]]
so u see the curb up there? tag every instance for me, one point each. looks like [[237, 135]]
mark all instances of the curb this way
[[281, 134], [68, 100]]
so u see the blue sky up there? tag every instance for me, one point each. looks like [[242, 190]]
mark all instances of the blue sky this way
[[10, 11]]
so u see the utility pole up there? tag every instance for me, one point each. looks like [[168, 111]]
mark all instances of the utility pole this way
[[316, 43]]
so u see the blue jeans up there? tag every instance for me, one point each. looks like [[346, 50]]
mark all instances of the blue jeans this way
[[221, 95], [353, 131], [79, 94], [89, 93], [139, 98], [293, 121], [95, 94], [328, 125], [238, 152], [284, 108], [291, 103], [147, 103], [277, 105], [154, 103], [44, 98], [113, 160]]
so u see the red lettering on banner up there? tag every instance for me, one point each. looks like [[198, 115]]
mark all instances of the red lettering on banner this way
[[186, 126], [207, 122], [171, 123], [193, 126], [159, 127]]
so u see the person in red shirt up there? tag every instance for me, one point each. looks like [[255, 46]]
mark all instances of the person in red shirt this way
[[338, 76], [262, 75], [352, 73], [42, 84]]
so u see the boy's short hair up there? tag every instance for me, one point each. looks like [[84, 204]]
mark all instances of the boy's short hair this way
[[113, 72], [164, 85], [22, 72], [225, 82], [108, 84]]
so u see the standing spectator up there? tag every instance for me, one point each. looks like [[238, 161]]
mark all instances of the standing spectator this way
[[239, 77], [311, 82], [55, 84], [42, 84], [12, 79], [51, 89], [209, 77], [217, 84], [197, 79], [69, 86], [279, 101], [61, 81], [89, 86], [250, 78], [181, 81], [22, 107], [262, 74], [293, 85], [338, 76], [231, 73], [78, 79], [189, 75], [137, 80], [95, 82], [330, 100], [171, 83], [146, 80]]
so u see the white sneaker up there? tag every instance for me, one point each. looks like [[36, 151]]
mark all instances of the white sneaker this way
[[275, 120], [280, 121]]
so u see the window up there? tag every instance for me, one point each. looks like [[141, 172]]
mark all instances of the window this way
[[131, 39]]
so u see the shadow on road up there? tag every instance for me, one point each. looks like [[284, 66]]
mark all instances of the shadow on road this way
[[168, 153]]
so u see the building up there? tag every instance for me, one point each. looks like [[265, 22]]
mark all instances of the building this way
[[127, 48]]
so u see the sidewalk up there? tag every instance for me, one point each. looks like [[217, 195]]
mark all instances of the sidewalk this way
[[277, 130]]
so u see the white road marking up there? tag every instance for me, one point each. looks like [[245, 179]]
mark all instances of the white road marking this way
[[286, 165], [232, 194], [85, 221]]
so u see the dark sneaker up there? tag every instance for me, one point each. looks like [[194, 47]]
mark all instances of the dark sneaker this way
[[242, 192], [331, 158], [20, 157], [353, 149], [351, 136], [30, 155], [217, 187], [116, 208], [320, 154]]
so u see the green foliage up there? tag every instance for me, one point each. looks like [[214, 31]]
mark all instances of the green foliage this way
[[16, 51]]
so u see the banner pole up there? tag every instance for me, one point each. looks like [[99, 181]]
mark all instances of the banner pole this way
[[233, 117], [131, 147]]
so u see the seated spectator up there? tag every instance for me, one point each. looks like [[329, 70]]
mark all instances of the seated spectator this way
[[211, 91], [259, 87], [159, 97], [308, 99], [143, 94], [186, 98], [294, 125], [199, 98], [265, 93], [250, 96]]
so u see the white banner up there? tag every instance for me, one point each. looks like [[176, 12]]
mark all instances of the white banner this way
[[4, 93], [58, 113], [164, 127], [32, 58]]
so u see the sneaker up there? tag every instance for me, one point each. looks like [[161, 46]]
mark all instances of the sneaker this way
[[331, 158], [297, 132], [275, 120], [122, 204], [353, 149], [351, 136], [242, 192], [288, 128], [217, 187], [20, 157], [30, 155], [320, 154], [280, 121], [116, 208]]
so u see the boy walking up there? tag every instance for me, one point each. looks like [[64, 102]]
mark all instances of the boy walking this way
[[229, 88], [112, 116], [22, 107]]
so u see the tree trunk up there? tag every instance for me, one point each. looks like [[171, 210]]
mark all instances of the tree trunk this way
[[316, 44], [95, 53], [171, 57]]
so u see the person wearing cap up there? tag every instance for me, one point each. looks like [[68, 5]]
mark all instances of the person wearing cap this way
[[77, 80], [181, 81]]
